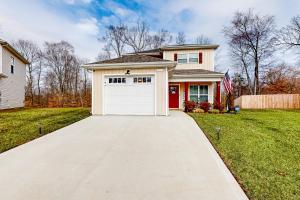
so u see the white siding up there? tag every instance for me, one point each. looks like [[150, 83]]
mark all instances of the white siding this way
[[1, 60], [160, 87], [207, 59], [12, 88]]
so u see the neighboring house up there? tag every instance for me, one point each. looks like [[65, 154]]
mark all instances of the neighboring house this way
[[12, 77], [152, 82]]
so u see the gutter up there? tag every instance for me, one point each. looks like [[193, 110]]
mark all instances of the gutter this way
[[170, 64], [199, 76]]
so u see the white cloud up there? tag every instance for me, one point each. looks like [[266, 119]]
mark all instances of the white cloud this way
[[34, 21], [89, 26], [77, 1]]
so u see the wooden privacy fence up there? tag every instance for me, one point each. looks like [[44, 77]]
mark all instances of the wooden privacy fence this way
[[283, 101]]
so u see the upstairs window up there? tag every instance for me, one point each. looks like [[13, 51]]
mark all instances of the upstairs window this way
[[182, 58], [187, 58], [193, 58], [12, 65]]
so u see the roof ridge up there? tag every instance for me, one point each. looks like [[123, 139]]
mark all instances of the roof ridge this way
[[134, 58]]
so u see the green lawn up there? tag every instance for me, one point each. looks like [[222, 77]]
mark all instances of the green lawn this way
[[22, 125], [261, 148]]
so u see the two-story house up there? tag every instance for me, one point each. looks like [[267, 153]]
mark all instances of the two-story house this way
[[154, 81], [12, 77]]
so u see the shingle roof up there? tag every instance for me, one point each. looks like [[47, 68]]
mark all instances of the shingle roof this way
[[191, 72], [176, 47], [189, 46], [135, 58]]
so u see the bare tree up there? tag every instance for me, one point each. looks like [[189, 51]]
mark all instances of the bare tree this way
[[62, 65], [102, 56], [201, 39], [241, 58], [257, 34], [137, 36], [289, 36], [115, 39], [162, 37], [39, 71], [180, 38], [31, 52]]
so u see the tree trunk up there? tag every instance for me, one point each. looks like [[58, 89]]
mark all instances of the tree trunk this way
[[256, 79]]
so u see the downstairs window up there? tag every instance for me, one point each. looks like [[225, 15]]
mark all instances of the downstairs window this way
[[199, 93]]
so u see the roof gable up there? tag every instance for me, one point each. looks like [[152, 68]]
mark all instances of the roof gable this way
[[14, 51]]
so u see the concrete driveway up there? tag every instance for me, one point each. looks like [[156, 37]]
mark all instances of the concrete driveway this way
[[119, 158]]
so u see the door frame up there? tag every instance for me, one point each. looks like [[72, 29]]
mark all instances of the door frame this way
[[131, 74], [177, 84]]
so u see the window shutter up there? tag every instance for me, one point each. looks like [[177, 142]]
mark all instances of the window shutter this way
[[200, 58], [175, 56]]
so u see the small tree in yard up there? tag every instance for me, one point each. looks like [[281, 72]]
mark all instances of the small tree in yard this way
[[251, 38]]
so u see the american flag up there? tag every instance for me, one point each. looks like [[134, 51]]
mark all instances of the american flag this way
[[227, 83]]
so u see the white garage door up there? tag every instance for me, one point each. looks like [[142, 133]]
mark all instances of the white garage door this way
[[129, 95]]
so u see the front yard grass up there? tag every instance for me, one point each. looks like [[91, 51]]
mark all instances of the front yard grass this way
[[22, 125], [261, 148]]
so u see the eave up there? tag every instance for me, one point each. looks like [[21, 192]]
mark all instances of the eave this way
[[14, 51], [140, 65]]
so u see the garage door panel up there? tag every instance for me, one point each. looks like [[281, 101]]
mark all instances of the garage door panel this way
[[129, 98]]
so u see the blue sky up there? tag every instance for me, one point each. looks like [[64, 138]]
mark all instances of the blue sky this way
[[81, 21]]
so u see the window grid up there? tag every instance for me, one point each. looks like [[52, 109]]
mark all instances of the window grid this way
[[188, 58], [142, 79], [116, 80], [12, 65], [199, 93]]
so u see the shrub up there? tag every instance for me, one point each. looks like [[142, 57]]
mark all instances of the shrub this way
[[219, 106], [214, 111], [199, 110], [189, 106], [205, 106]]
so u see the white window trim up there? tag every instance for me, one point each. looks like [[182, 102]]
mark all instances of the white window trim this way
[[188, 58], [198, 92], [12, 65]]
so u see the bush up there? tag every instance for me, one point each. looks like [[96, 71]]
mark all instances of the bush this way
[[205, 106], [219, 106], [214, 111], [199, 110], [189, 106]]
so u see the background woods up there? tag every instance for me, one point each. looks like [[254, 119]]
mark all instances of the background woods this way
[[255, 47], [54, 75]]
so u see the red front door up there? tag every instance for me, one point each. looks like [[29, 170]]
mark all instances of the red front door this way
[[173, 96]]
